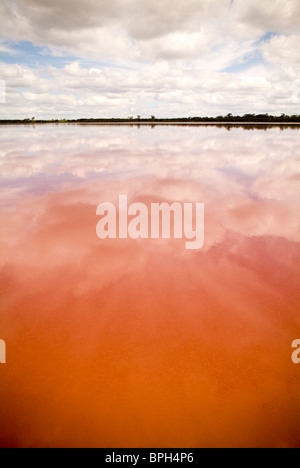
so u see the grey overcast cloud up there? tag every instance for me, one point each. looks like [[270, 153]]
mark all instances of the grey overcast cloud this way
[[114, 58]]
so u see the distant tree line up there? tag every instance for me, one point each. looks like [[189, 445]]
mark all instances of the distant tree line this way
[[229, 118], [265, 118]]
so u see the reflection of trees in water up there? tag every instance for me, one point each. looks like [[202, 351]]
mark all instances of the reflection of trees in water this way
[[247, 121], [264, 127]]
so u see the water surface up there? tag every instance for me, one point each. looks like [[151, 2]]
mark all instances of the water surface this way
[[124, 343]]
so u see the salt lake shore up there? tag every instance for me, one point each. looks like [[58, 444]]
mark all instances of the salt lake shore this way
[[245, 120]]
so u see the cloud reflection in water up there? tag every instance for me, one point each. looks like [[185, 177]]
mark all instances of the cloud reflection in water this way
[[142, 343]]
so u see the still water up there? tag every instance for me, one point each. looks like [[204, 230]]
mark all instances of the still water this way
[[141, 343]]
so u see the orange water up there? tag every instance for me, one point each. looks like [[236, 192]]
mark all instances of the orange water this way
[[124, 343]]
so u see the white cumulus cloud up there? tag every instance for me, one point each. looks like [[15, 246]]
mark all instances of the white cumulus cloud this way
[[189, 57]]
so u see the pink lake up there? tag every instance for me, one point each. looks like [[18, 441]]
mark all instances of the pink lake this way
[[141, 343]]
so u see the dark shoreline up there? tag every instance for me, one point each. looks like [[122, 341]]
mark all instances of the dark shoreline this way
[[152, 124], [229, 120]]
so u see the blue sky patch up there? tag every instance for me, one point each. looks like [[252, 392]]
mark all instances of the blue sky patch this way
[[29, 55], [250, 60], [267, 37], [26, 54]]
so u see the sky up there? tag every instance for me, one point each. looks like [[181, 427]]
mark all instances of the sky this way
[[167, 58]]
